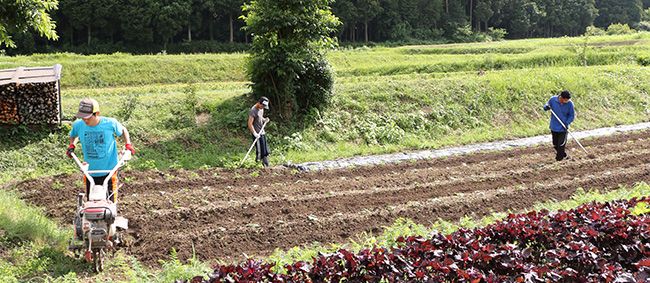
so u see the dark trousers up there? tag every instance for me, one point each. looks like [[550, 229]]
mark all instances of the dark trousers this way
[[261, 148], [559, 142], [99, 180]]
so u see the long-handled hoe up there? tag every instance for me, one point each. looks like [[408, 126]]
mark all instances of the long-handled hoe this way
[[252, 145], [574, 138]]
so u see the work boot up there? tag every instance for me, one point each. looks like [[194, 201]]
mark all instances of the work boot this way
[[265, 161]]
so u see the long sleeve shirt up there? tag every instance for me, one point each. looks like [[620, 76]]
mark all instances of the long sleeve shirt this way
[[565, 112]]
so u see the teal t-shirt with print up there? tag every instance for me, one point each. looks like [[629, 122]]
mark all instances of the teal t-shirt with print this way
[[98, 143]]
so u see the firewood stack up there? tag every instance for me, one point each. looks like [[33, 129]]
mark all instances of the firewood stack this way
[[8, 105], [38, 103], [30, 96]]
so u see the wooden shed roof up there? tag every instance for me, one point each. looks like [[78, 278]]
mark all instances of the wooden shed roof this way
[[24, 75]]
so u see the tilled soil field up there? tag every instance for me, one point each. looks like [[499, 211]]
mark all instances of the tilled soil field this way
[[224, 214]]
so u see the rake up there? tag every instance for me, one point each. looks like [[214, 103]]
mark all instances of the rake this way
[[574, 138], [254, 142]]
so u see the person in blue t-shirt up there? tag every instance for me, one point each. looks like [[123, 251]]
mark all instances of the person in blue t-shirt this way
[[562, 106], [98, 141]]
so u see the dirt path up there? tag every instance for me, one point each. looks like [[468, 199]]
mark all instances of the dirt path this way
[[226, 213]]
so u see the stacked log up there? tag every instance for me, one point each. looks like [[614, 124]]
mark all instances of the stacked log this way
[[29, 103], [8, 104]]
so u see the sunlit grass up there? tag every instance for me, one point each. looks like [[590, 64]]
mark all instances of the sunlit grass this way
[[386, 100], [412, 107]]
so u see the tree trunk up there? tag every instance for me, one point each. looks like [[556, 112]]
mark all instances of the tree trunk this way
[[471, 20], [447, 6], [351, 35], [211, 30], [232, 30], [189, 32], [89, 35], [365, 29]]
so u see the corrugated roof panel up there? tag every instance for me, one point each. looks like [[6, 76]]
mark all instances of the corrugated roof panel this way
[[24, 75]]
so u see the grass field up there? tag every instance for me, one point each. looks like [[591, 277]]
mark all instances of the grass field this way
[[386, 100], [190, 111]]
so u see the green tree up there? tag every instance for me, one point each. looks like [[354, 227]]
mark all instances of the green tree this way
[[582, 14], [552, 13], [231, 9], [136, 20], [368, 10], [195, 20], [347, 13], [454, 19], [287, 61], [18, 16], [88, 14], [618, 11], [430, 12], [483, 13], [389, 23], [170, 17]]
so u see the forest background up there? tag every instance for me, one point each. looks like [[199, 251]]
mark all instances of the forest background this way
[[201, 26]]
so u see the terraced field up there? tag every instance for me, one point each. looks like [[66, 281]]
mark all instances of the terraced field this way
[[224, 214]]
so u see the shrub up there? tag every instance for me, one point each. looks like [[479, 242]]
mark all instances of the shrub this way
[[287, 61], [645, 16], [619, 29], [643, 26], [643, 60], [129, 103], [592, 30]]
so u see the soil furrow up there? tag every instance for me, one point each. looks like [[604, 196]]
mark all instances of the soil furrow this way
[[224, 214]]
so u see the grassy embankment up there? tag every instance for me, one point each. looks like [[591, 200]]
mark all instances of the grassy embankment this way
[[387, 100], [188, 111]]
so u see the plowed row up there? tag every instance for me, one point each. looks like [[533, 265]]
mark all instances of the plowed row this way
[[225, 214]]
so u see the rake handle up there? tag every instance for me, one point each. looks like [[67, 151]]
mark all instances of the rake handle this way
[[251, 148], [567, 130]]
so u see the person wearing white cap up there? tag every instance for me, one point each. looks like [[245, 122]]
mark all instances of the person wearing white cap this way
[[255, 123], [97, 136]]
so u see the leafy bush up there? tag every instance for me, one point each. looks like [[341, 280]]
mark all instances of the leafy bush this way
[[643, 60], [496, 34], [207, 46], [465, 34], [594, 31], [287, 62], [643, 25], [130, 102], [28, 46], [619, 29], [293, 142], [377, 130], [184, 115]]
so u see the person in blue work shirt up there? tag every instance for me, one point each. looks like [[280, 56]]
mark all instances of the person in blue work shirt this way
[[97, 135], [562, 106]]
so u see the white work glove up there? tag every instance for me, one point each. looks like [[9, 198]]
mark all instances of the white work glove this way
[[266, 120], [256, 135]]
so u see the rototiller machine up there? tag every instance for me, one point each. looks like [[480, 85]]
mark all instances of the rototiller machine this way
[[97, 226]]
